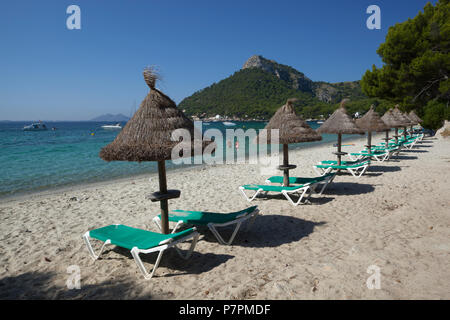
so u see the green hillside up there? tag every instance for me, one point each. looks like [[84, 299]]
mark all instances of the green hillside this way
[[256, 93]]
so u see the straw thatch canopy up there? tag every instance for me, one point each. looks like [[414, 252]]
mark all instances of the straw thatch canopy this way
[[401, 117], [147, 135], [391, 120], [371, 121], [292, 128], [414, 117], [340, 122]]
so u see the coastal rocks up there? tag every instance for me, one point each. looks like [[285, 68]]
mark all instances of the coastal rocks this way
[[295, 78], [325, 93], [443, 132]]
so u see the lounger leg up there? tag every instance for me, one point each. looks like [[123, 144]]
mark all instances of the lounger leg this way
[[135, 254], [318, 171], [326, 182], [89, 246], [215, 232], [252, 221], [157, 221], [299, 200], [219, 237], [363, 170], [190, 250], [250, 199], [351, 171]]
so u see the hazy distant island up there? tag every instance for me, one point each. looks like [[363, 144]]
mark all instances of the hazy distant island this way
[[257, 90], [111, 117]]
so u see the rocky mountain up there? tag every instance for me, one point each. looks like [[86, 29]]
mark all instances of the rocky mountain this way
[[295, 78], [263, 85]]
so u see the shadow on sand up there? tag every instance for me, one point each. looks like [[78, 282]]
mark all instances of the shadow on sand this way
[[279, 197], [414, 151], [196, 264], [381, 168], [268, 230], [401, 158], [40, 285], [348, 188]]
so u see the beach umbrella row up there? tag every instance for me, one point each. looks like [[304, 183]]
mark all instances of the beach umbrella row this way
[[147, 136]]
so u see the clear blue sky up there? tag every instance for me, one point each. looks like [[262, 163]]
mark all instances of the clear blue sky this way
[[52, 73]]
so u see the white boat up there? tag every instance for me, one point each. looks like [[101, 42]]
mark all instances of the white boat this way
[[116, 126], [38, 126], [319, 122], [229, 123]]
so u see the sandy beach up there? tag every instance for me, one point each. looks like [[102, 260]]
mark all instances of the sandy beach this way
[[396, 217]]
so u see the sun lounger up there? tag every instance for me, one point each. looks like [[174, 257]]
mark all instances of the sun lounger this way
[[286, 191], [314, 181], [360, 166], [140, 241], [212, 220], [380, 154]]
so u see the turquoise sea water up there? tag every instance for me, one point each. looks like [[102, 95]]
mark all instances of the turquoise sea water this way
[[34, 161]]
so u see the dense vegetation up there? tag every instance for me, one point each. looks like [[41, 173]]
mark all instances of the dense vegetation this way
[[254, 93], [416, 57]]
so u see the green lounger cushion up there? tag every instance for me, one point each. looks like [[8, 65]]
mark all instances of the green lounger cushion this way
[[342, 166], [128, 237], [269, 188], [346, 163], [203, 217], [366, 154], [296, 180]]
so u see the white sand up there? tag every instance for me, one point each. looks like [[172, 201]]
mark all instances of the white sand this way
[[396, 217]]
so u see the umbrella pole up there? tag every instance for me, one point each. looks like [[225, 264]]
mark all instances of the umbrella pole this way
[[285, 163], [369, 141], [396, 135], [404, 132], [164, 202], [339, 148]]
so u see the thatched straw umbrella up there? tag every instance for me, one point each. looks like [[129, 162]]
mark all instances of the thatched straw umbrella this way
[[371, 121], [292, 129], [147, 136], [340, 123], [402, 117], [391, 121], [414, 117]]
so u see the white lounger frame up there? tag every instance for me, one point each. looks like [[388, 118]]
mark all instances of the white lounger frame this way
[[381, 157], [301, 191], [353, 171], [313, 187], [212, 226], [163, 245]]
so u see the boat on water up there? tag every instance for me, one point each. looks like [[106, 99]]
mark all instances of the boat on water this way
[[38, 126], [229, 123], [116, 126]]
